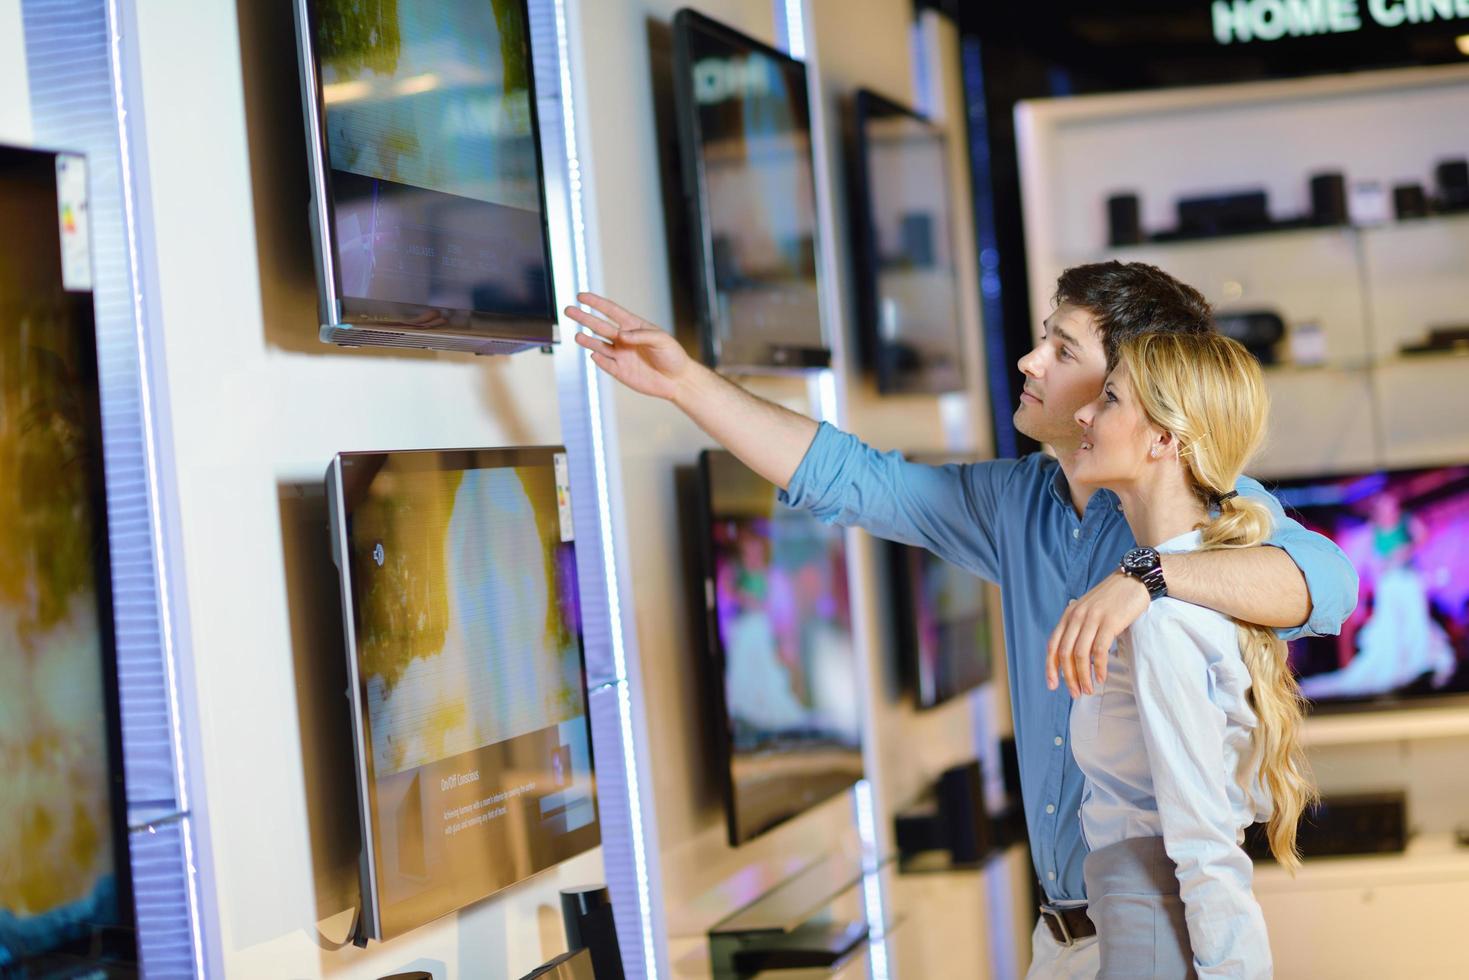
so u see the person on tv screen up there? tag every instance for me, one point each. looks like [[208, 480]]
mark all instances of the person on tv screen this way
[[1399, 643], [1053, 542], [1195, 734]]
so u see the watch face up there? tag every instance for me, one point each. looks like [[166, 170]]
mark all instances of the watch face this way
[[1140, 560]]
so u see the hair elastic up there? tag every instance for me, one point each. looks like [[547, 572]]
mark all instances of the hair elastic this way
[[1225, 496]]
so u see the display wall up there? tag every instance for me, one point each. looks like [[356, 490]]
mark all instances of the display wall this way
[[259, 406]]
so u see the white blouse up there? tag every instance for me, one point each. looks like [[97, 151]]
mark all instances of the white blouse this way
[[1162, 745]]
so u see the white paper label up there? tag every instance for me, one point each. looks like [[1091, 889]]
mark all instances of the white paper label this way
[[71, 203], [563, 498]]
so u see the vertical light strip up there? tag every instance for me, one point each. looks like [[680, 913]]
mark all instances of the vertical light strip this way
[[599, 468], [150, 464], [871, 882], [795, 25]]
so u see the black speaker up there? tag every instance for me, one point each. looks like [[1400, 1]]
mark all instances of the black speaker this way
[[1452, 177], [1409, 201], [1367, 823], [967, 831], [1010, 766], [1329, 199], [1223, 214], [1124, 220], [587, 915], [1258, 330]]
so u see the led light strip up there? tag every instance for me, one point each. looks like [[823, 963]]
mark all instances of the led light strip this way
[[150, 462], [599, 460]]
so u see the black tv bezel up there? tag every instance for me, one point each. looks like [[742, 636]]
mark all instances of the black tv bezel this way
[[370, 920], [784, 359], [355, 321], [89, 372], [1390, 701], [866, 262], [717, 701], [905, 621]]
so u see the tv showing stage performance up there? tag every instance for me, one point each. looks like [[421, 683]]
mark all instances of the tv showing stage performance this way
[[466, 671], [780, 636], [1405, 533], [428, 204]]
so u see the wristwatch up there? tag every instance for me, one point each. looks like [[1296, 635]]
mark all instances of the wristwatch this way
[[1144, 565]]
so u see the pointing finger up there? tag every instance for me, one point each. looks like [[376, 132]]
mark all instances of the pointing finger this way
[[596, 324], [618, 315]]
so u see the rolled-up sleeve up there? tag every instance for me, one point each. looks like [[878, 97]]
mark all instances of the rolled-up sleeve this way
[[951, 510], [1330, 578]]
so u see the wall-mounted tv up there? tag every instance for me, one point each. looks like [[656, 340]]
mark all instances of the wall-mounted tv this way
[[903, 247], [66, 906], [427, 197], [784, 674], [944, 630], [744, 129], [1404, 531], [467, 676]]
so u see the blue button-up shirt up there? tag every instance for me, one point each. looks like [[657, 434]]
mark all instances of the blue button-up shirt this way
[[1012, 522]]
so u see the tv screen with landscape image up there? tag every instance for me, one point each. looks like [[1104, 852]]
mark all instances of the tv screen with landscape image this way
[[779, 628], [466, 672], [1405, 532], [66, 906]]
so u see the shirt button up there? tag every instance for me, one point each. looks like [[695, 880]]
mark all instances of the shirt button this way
[[1076, 532], [1058, 739], [1051, 875], [1050, 808]]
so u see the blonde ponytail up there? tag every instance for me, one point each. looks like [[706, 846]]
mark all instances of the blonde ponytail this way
[[1208, 391]]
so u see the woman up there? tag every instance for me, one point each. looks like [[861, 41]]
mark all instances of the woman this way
[[1193, 736]]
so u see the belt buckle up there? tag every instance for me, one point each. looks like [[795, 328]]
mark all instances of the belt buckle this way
[[1060, 920]]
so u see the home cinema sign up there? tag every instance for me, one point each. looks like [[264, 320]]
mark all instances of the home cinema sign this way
[[1238, 21]]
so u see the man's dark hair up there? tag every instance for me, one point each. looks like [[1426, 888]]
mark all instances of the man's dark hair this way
[[1132, 298]]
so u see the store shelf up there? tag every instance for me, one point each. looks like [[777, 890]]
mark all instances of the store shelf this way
[[1428, 858], [1387, 726]]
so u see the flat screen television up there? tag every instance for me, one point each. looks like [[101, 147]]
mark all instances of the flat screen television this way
[[779, 634], [903, 247], [944, 631], [744, 129], [466, 674], [66, 905], [1405, 532], [428, 208]]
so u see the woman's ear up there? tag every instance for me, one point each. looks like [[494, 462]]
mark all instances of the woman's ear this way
[[1163, 445]]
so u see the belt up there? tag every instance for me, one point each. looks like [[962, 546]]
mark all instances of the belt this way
[[1068, 925]]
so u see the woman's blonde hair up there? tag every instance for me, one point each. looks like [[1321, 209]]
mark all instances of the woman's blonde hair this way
[[1207, 390]]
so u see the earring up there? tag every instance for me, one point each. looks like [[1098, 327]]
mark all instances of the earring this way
[[1153, 452]]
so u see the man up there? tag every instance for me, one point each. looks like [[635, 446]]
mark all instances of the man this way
[[1052, 544]]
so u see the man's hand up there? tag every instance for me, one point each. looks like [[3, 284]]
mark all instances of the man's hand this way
[[643, 357], [1089, 627]]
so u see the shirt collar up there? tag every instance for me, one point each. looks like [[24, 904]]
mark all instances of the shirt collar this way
[[1061, 492]]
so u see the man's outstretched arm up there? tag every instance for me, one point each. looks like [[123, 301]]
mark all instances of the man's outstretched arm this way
[[766, 437], [952, 510]]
